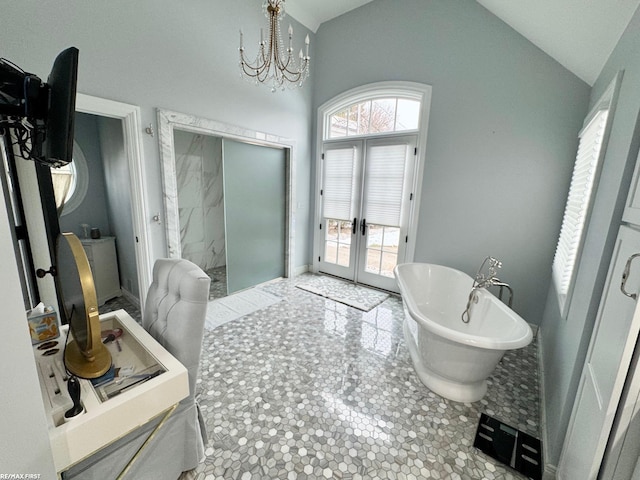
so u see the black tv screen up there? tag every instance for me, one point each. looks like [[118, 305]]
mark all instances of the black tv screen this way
[[62, 84]]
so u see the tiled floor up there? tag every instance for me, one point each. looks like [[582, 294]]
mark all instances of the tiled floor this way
[[310, 389], [218, 287], [121, 302]]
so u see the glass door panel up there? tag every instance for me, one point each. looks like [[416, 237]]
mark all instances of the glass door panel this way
[[340, 203], [382, 250], [255, 204], [386, 201]]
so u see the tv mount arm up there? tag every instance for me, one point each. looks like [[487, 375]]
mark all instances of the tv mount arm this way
[[24, 101]]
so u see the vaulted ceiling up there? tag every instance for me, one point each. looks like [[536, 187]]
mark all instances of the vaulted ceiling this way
[[579, 35]]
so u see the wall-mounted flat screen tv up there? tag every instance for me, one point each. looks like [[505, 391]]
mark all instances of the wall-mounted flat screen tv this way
[[41, 115]]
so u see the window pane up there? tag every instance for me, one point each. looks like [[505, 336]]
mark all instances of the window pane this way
[[383, 115], [364, 112], [374, 236], [389, 261], [337, 242], [331, 252], [338, 125], [379, 115], [373, 261], [332, 230], [344, 251], [344, 235], [391, 239], [407, 114]]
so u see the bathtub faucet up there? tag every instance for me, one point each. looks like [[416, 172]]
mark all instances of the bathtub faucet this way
[[486, 280]]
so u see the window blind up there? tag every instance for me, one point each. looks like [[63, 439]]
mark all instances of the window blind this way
[[339, 183], [384, 186], [577, 207]]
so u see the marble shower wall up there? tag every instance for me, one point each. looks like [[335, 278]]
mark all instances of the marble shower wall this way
[[200, 198]]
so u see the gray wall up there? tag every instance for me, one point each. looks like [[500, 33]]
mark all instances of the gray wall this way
[[118, 187], [565, 341], [182, 56], [502, 130], [24, 441], [93, 209]]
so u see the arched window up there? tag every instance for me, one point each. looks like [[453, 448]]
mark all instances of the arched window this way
[[374, 116], [369, 174], [72, 181]]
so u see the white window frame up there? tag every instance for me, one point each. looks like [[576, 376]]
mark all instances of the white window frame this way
[[80, 183], [566, 266], [410, 90]]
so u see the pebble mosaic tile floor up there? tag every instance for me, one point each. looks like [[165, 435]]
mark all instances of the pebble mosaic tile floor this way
[[218, 287], [313, 389]]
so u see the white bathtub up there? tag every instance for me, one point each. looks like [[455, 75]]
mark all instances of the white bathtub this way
[[453, 358]]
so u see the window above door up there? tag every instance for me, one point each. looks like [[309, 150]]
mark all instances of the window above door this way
[[375, 109]]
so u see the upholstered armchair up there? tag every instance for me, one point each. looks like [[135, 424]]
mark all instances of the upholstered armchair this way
[[174, 315]]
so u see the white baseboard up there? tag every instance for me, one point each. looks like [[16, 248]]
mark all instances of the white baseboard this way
[[549, 471], [130, 297], [300, 270]]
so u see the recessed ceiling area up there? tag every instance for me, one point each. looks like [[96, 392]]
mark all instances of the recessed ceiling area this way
[[579, 35]]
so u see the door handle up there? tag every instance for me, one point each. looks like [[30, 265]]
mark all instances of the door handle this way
[[363, 226], [625, 276], [354, 226]]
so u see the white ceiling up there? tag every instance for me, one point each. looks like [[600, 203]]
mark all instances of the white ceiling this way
[[579, 34]]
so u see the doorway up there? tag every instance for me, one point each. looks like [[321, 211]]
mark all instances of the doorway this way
[[257, 199], [98, 206], [128, 208], [231, 208], [365, 195], [371, 145]]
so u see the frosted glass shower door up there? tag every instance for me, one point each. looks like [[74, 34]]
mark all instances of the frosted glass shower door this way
[[255, 205]]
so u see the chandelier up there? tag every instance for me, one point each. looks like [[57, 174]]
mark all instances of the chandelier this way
[[274, 64]]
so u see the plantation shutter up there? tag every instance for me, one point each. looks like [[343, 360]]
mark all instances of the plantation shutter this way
[[385, 171], [339, 183], [577, 207]]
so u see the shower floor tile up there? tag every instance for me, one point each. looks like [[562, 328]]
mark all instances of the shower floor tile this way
[[218, 287], [310, 389]]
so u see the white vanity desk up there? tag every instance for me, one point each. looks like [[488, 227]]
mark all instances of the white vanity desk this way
[[109, 414]]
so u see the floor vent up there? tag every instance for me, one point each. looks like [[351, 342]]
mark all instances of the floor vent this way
[[514, 448]]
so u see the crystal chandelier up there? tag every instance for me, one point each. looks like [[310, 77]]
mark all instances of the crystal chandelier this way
[[273, 64]]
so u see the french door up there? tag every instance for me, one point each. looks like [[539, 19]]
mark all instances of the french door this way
[[365, 197]]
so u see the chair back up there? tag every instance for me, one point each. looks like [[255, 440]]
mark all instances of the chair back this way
[[175, 310]]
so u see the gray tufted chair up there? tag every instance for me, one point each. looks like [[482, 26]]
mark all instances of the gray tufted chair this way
[[174, 315], [175, 309]]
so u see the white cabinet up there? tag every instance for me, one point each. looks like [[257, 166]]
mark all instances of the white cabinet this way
[[101, 254]]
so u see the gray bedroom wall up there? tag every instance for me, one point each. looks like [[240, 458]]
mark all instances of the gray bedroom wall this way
[[181, 56], [93, 209], [502, 130], [565, 341]]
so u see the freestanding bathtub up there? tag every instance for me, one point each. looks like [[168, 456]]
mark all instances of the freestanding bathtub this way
[[453, 358]]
